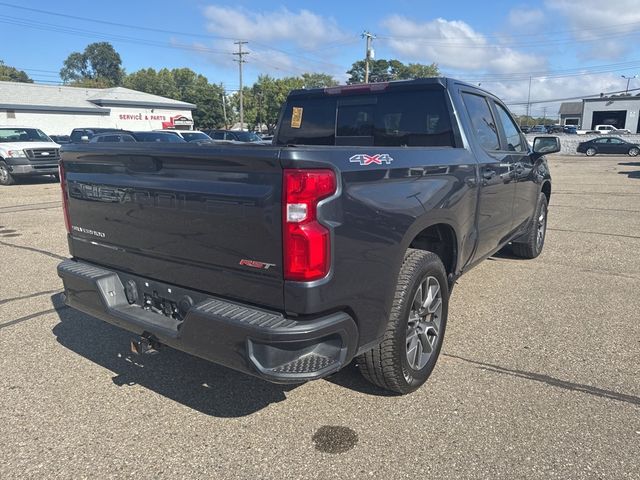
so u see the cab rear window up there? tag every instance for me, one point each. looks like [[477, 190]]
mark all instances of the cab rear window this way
[[396, 118]]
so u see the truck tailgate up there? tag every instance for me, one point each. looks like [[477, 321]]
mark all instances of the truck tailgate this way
[[200, 217]]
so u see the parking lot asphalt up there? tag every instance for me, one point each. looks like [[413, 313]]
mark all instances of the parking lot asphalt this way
[[539, 377]]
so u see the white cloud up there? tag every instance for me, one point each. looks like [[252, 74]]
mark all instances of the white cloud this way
[[303, 28], [554, 88], [528, 19], [602, 29], [281, 42], [454, 44]]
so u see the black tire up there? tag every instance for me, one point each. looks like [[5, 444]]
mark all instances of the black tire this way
[[591, 152], [5, 176], [532, 243], [387, 365], [633, 152]]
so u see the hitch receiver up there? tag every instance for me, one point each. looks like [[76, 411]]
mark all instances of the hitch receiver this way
[[146, 344]]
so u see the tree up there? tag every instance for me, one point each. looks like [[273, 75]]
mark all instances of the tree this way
[[387, 70], [262, 101], [185, 85], [318, 80], [12, 74], [98, 65]]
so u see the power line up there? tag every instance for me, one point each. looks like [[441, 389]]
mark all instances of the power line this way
[[149, 29], [565, 99]]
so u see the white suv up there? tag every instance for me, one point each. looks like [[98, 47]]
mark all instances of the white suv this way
[[26, 151]]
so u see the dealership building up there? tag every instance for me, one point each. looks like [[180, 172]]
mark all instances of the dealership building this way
[[56, 110], [621, 111]]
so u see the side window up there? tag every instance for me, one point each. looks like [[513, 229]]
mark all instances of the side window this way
[[217, 135], [617, 141], [484, 127], [511, 132]]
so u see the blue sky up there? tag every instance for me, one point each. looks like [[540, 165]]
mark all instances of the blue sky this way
[[569, 47]]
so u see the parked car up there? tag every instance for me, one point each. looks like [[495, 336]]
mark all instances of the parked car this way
[[570, 129], [525, 129], [113, 137], [124, 136], [551, 129], [236, 136], [188, 135], [26, 151], [610, 129], [84, 135], [163, 137], [341, 240], [608, 145], [60, 139], [538, 129]]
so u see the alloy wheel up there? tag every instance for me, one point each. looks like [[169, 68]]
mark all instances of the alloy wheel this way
[[423, 327]]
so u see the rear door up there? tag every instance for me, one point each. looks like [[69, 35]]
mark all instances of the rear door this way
[[497, 185], [182, 213]]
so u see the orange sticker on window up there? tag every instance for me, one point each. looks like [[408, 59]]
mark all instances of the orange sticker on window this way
[[296, 117]]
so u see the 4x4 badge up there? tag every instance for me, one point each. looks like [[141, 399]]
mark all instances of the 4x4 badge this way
[[378, 159]]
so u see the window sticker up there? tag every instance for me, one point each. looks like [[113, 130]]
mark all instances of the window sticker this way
[[296, 117]]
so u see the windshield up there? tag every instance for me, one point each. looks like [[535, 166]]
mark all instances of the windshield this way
[[22, 135], [248, 137], [191, 136]]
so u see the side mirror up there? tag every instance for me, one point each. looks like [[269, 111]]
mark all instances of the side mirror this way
[[546, 145], [84, 138]]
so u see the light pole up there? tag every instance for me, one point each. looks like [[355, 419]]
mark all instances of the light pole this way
[[626, 92]]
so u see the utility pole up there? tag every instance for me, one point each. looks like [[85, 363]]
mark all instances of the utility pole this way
[[224, 110], [528, 100], [626, 92], [240, 61], [368, 54], [544, 116]]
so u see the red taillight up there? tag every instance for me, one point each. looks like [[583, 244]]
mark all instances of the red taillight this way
[[306, 242], [65, 203]]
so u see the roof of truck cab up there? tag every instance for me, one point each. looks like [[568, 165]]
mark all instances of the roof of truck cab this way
[[356, 88]]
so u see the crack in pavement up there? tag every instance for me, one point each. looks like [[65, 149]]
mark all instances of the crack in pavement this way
[[32, 295], [554, 382], [593, 233], [33, 249]]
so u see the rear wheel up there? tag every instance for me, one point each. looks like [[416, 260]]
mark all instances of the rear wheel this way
[[405, 358], [5, 176], [590, 152], [532, 243], [633, 152]]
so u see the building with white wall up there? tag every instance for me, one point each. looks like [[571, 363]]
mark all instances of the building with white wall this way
[[56, 110], [621, 111]]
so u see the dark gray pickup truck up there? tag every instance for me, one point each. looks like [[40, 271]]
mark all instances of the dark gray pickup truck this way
[[341, 241]]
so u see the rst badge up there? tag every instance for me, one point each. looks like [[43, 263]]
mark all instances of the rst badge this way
[[256, 264], [377, 159]]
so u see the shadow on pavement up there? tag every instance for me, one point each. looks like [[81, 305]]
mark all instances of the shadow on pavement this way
[[633, 173], [36, 180], [193, 382], [554, 382]]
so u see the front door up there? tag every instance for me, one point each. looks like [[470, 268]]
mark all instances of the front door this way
[[527, 186], [496, 187]]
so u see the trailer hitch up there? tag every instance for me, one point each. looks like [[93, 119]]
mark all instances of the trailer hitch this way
[[146, 344]]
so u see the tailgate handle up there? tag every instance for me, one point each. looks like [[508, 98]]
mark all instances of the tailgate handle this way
[[143, 164]]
